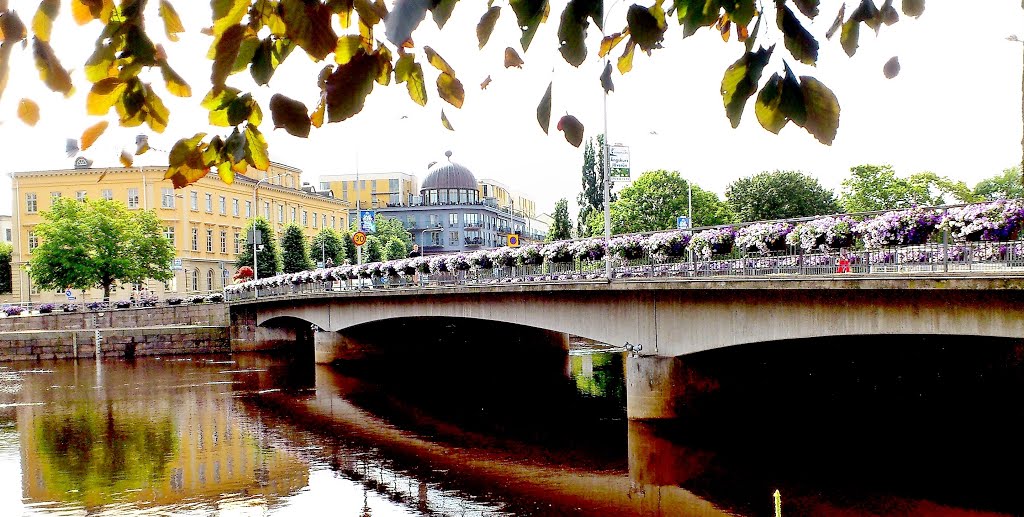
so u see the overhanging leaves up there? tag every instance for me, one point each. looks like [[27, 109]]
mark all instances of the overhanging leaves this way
[[309, 26], [572, 128], [445, 122], [892, 67], [529, 14], [450, 89], [349, 84], [441, 10], [606, 78], [290, 114], [572, 30], [28, 111], [438, 62], [645, 28], [512, 58], [172, 22], [798, 40], [740, 82], [51, 72], [915, 8], [90, 135], [42, 22], [808, 7], [486, 25], [407, 70], [544, 110], [226, 51], [822, 110]]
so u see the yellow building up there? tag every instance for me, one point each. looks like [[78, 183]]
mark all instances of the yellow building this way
[[506, 198], [206, 220], [373, 190]]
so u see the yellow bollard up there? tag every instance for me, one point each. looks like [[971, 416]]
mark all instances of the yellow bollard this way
[[778, 504]]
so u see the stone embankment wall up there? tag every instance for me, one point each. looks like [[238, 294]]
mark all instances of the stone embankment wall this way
[[184, 329]]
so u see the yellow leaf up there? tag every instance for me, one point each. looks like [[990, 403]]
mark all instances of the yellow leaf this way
[[28, 112], [126, 159], [103, 95], [175, 84], [610, 42], [172, 22], [85, 11], [90, 135], [317, 118], [626, 61], [445, 123], [347, 47], [51, 72], [438, 62], [42, 22], [256, 148], [450, 89]]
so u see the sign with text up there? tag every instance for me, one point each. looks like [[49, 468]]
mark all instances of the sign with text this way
[[682, 223], [176, 264], [359, 238], [366, 221], [618, 163]]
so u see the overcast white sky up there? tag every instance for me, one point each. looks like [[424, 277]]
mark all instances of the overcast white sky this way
[[955, 109]]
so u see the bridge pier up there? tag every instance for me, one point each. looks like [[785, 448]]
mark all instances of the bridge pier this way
[[658, 387], [336, 346]]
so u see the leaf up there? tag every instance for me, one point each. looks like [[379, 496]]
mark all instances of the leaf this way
[[740, 82], [441, 11], [51, 72], [625, 63], [384, 59], [450, 89], [487, 81], [85, 11], [290, 114], [256, 148], [808, 7], [90, 135], [779, 102], [185, 163], [349, 84], [915, 8], [849, 37], [529, 15], [694, 14], [225, 54], [867, 12], [572, 31], [405, 16], [42, 22], [610, 42], [28, 111], [512, 58], [127, 159], [308, 24], [837, 23], [606, 78], [347, 47], [645, 28], [571, 127], [445, 122], [270, 54], [544, 110], [822, 110], [748, 44], [141, 145], [103, 95], [438, 62], [799, 41], [317, 117], [172, 22], [892, 67], [486, 25], [407, 70], [888, 13], [175, 84]]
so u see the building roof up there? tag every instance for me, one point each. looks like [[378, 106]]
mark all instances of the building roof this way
[[449, 175]]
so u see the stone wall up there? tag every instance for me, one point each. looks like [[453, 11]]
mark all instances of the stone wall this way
[[114, 343], [211, 314]]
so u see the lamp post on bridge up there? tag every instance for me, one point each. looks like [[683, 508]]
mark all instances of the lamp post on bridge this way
[[255, 211]]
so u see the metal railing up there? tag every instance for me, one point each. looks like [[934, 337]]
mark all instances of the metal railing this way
[[932, 258]]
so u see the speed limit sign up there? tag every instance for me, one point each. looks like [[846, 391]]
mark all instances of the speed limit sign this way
[[359, 238]]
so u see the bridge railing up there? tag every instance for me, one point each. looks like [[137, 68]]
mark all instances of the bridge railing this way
[[919, 259]]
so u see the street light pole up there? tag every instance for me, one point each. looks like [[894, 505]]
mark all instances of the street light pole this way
[[606, 175], [255, 211]]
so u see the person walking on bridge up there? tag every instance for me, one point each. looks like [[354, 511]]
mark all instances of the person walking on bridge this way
[[843, 262]]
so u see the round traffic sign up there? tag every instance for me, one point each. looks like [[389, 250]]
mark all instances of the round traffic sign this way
[[513, 240], [359, 238]]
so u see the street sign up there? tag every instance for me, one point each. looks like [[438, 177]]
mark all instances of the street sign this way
[[69, 294], [682, 223], [359, 238], [513, 240], [366, 221], [618, 163], [259, 236], [176, 264], [319, 265]]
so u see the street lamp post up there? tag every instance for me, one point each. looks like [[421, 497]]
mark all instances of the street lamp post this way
[[255, 210], [606, 175]]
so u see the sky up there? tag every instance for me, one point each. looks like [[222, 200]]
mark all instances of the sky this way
[[955, 108]]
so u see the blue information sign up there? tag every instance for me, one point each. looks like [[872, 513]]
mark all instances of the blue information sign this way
[[366, 221]]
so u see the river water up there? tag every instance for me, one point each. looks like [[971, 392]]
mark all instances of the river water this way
[[844, 427]]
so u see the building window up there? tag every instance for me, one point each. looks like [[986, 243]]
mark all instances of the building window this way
[[223, 241], [33, 241], [209, 203], [444, 197], [195, 279], [344, 192], [334, 222], [434, 220], [234, 207], [266, 210], [323, 222], [194, 200], [314, 219], [280, 213], [224, 277], [133, 197], [324, 186], [107, 194], [305, 218], [209, 280], [169, 234], [167, 197], [8, 234], [435, 238], [362, 184], [248, 209], [453, 220], [31, 206], [393, 186], [195, 239], [294, 217], [453, 238], [80, 196], [222, 204], [209, 241], [373, 186], [237, 244], [54, 196]]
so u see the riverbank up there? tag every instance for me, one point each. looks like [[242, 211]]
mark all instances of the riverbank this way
[[143, 331]]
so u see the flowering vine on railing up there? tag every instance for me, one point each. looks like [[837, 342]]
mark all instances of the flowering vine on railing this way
[[712, 249]]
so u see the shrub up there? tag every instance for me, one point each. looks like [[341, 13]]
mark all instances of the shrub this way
[[215, 298], [899, 227], [763, 237], [97, 306], [148, 300], [667, 244], [244, 274], [196, 299], [122, 304], [13, 310], [174, 300], [69, 307], [627, 247], [46, 308]]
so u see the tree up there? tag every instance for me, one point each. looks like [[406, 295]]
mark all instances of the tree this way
[[395, 249], [1001, 186], [5, 267], [99, 243], [350, 247], [876, 187], [591, 198], [373, 250], [388, 228], [259, 35], [327, 244], [561, 228], [294, 250], [269, 256], [653, 202], [779, 195]]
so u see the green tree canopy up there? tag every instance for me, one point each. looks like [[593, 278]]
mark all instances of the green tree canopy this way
[[350, 247], [258, 36], [373, 250], [561, 227], [1001, 186], [99, 243], [294, 250], [327, 244], [876, 187], [5, 267], [591, 197], [269, 255], [779, 195], [653, 202], [395, 249], [389, 228]]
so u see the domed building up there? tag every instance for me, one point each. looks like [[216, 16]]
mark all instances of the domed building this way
[[451, 215]]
